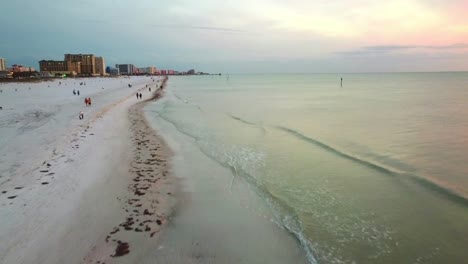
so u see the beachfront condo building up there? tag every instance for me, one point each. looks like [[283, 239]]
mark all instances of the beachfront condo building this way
[[60, 67], [112, 71], [2, 64], [148, 70], [88, 62], [127, 69], [100, 66]]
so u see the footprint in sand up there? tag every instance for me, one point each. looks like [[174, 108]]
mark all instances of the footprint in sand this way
[[122, 249]]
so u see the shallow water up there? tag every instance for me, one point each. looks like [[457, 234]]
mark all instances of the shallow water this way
[[374, 171]]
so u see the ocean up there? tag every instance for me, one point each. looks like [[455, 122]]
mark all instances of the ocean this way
[[373, 171]]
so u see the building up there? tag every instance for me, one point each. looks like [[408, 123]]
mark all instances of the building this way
[[21, 68], [100, 66], [192, 71], [112, 71], [170, 72], [88, 62], [60, 67], [126, 69], [163, 72], [2, 64], [6, 74], [150, 70]]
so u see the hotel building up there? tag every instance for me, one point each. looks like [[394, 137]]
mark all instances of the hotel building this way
[[88, 62], [2, 64], [100, 66], [62, 67], [126, 69]]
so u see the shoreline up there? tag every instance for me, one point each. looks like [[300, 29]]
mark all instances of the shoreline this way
[[219, 218]]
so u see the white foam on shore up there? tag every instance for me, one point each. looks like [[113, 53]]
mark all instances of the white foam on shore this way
[[218, 220]]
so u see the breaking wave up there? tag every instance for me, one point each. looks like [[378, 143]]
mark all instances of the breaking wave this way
[[449, 193]]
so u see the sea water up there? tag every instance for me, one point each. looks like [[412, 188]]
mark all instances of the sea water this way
[[370, 170]]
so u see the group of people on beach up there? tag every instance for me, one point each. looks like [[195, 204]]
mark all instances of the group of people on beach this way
[[87, 101], [139, 95], [76, 92]]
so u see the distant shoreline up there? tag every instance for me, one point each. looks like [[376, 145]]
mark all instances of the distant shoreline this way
[[50, 79]]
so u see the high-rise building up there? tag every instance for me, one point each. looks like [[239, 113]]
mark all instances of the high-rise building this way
[[148, 70], [100, 66], [2, 64], [112, 71], [88, 62], [127, 69], [151, 70]]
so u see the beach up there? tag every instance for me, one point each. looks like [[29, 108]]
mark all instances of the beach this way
[[241, 170], [80, 191], [103, 189]]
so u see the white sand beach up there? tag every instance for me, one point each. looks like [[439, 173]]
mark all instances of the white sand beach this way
[[66, 184]]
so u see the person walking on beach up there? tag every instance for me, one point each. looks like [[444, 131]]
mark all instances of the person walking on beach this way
[[138, 96], [150, 89], [74, 92], [89, 101], [86, 101], [78, 92], [81, 115]]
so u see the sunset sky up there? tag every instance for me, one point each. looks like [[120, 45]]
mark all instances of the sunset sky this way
[[243, 36]]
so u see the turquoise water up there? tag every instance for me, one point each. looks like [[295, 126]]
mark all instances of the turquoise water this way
[[371, 172]]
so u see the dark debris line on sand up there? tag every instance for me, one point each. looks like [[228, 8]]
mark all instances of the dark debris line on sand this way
[[147, 169]]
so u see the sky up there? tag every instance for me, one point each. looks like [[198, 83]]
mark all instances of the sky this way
[[254, 36]]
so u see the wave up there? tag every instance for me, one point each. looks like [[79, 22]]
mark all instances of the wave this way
[[338, 152], [248, 122], [187, 102], [447, 192], [285, 217]]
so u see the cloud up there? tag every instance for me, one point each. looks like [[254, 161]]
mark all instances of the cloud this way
[[379, 49], [168, 26], [199, 28]]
